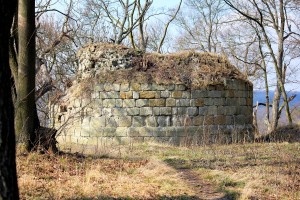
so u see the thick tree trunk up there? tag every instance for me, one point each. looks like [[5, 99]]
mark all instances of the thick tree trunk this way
[[8, 178], [275, 109], [26, 116]]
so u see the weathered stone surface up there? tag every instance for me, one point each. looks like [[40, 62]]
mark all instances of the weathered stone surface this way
[[176, 94], [135, 86], [156, 111], [208, 101], [108, 87], [197, 102], [165, 94], [135, 95], [208, 120], [147, 94], [164, 121], [109, 103], [192, 111], [157, 102], [158, 87], [170, 102], [186, 94], [220, 119], [97, 122], [138, 121], [116, 113], [99, 87], [109, 131], [144, 111], [181, 111], [119, 103], [195, 94], [180, 87], [126, 95], [129, 103], [132, 111], [165, 111], [198, 120], [124, 87], [111, 122], [123, 121], [230, 110], [146, 86], [142, 102], [107, 112], [95, 95], [212, 110], [182, 102], [151, 121], [109, 95]]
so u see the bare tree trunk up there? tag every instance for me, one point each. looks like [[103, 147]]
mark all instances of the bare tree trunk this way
[[26, 116], [8, 177], [275, 109]]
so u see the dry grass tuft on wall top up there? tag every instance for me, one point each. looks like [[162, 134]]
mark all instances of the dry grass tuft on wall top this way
[[195, 70]]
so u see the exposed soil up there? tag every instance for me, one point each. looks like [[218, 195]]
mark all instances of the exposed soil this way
[[203, 189]]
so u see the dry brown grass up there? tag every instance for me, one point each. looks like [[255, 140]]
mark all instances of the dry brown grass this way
[[195, 70], [75, 177], [154, 171]]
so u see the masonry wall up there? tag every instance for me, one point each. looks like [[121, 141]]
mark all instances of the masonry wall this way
[[123, 113]]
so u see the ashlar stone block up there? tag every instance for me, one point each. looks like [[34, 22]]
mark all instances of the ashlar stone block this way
[[157, 102], [145, 111], [119, 103], [151, 121], [164, 121], [197, 102], [142, 102], [220, 120], [109, 103], [135, 86], [138, 121], [195, 94], [183, 102], [123, 121], [132, 111], [135, 95], [186, 94], [180, 87], [165, 110], [158, 86], [198, 120], [129, 103], [108, 87], [147, 94], [165, 94], [126, 95], [97, 122], [192, 111], [176, 94], [109, 95], [99, 87], [124, 87], [156, 111], [146, 86], [170, 102]]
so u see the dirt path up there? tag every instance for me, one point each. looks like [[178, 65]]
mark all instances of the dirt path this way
[[203, 189]]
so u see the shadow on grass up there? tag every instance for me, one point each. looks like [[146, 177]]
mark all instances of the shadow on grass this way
[[206, 190], [183, 197]]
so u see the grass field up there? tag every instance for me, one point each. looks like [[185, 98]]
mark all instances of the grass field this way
[[157, 171]]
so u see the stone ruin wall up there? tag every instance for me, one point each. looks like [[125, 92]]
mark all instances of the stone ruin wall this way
[[116, 113]]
